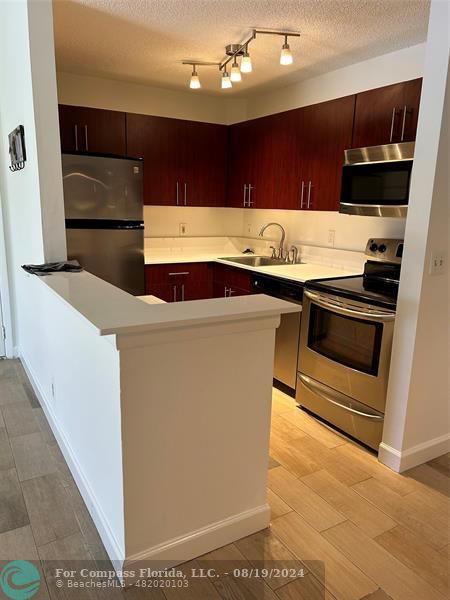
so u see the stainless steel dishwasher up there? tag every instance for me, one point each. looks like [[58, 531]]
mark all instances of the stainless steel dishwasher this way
[[288, 333]]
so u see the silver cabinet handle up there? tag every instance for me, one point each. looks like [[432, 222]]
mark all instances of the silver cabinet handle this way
[[174, 293], [338, 399], [182, 292], [230, 291], [250, 188], [226, 292], [178, 194], [301, 197], [245, 195], [86, 137], [75, 129], [405, 110], [394, 110], [308, 204], [345, 310], [179, 273], [185, 194]]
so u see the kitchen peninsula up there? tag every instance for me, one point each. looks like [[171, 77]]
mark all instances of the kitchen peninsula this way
[[162, 412]]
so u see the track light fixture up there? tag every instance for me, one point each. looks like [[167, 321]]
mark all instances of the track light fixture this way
[[234, 51]]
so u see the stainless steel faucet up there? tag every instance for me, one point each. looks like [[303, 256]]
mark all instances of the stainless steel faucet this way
[[283, 237]]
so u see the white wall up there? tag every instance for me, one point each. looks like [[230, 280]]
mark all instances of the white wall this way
[[417, 418], [97, 92], [164, 221], [32, 198], [382, 70]]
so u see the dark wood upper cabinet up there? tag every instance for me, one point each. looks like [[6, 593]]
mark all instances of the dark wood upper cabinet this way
[[290, 160], [242, 161], [184, 161], [92, 130], [387, 115], [325, 132]]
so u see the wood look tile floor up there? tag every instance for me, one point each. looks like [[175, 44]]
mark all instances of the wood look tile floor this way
[[359, 530]]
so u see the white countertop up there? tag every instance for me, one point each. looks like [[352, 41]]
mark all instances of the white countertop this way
[[112, 311], [300, 272]]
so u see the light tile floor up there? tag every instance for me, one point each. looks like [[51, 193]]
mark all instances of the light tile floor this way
[[335, 510]]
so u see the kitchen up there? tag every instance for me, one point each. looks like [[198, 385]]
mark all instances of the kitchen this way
[[304, 194], [289, 161]]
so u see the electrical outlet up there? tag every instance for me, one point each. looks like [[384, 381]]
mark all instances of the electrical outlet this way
[[249, 228], [183, 228], [331, 235], [438, 263]]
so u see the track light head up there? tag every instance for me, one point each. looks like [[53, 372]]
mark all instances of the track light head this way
[[226, 81], [246, 62], [194, 82], [286, 57], [235, 73]]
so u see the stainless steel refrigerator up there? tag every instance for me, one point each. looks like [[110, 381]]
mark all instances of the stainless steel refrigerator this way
[[103, 202]]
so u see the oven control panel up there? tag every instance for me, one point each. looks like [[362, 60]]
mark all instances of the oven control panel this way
[[385, 250]]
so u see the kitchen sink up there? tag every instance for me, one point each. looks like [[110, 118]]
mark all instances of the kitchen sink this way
[[256, 261]]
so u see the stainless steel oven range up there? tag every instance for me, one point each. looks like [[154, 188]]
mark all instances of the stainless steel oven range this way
[[345, 344]]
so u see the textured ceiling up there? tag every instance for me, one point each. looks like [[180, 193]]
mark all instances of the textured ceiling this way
[[145, 41]]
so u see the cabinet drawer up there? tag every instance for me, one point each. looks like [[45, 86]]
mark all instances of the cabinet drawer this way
[[175, 271]]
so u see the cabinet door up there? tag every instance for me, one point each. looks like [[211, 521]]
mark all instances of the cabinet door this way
[[179, 281], [204, 163], [92, 130], [387, 115], [233, 278], [240, 162], [327, 132], [156, 140], [291, 151]]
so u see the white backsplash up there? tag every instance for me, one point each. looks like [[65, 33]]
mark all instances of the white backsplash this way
[[322, 237]]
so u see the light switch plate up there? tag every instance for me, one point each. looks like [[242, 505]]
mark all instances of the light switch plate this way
[[331, 236], [183, 228], [438, 263]]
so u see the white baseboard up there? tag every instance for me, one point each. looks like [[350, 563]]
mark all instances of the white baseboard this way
[[110, 542], [412, 457], [184, 548]]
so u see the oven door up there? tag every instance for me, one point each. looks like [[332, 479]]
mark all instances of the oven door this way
[[346, 345]]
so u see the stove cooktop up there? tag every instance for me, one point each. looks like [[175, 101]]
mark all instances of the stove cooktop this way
[[355, 287]]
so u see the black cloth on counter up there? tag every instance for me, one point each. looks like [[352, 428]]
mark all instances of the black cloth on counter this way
[[71, 266]]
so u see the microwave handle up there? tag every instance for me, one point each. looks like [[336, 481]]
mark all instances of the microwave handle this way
[[350, 312]]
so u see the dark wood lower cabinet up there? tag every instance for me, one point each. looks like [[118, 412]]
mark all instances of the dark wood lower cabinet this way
[[231, 281], [179, 282]]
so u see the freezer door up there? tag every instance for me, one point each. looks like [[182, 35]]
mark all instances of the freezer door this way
[[115, 255], [97, 187]]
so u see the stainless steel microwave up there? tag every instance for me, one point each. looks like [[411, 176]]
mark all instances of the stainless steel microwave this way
[[376, 180]]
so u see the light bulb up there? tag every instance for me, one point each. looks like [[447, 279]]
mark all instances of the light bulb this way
[[226, 81], [246, 63], [235, 73], [286, 54], [194, 83]]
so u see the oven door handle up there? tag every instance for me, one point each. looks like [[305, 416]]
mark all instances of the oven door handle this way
[[317, 388], [351, 312]]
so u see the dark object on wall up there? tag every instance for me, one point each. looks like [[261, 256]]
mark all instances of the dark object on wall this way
[[17, 148]]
